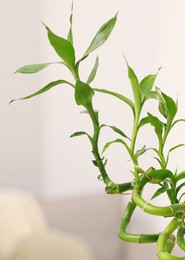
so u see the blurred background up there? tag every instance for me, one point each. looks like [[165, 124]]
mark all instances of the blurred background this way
[[36, 151]]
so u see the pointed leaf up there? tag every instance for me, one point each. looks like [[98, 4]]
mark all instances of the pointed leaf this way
[[101, 36], [44, 89], [83, 94], [147, 84], [178, 121], [33, 68], [117, 130], [162, 104], [119, 96], [180, 187], [80, 133], [171, 107], [70, 34], [157, 124], [150, 95], [143, 121], [135, 88], [160, 175], [180, 176], [93, 72], [63, 48], [159, 192], [106, 146], [141, 151]]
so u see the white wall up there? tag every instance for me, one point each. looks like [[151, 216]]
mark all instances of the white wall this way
[[36, 151]]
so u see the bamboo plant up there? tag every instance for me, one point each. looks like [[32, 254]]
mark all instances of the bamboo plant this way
[[165, 180]]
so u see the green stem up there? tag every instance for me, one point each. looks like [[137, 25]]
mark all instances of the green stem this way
[[136, 238], [163, 239], [180, 238]]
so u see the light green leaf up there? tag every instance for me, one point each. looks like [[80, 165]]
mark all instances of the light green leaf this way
[[44, 89], [80, 133], [33, 68], [70, 34], [135, 88], [180, 176], [159, 176], [157, 124], [172, 149], [162, 103], [141, 151], [106, 146], [83, 94], [178, 121], [147, 84], [150, 95], [119, 96], [117, 130], [63, 48], [171, 108], [143, 121], [93, 72], [180, 187], [101, 36]]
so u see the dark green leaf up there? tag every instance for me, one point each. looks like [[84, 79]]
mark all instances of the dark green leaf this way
[[93, 72], [117, 130], [95, 163], [63, 48], [160, 191], [33, 68], [83, 94], [44, 89], [101, 36], [70, 34], [117, 95]]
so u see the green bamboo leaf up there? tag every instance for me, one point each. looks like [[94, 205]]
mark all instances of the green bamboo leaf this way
[[70, 34], [83, 94], [159, 192], [157, 124], [117, 130], [93, 72], [44, 89], [159, 176], [178, 121], [180, 187], [171, 107], [119, 96], [171, 150], [150, 95], [108, 144], [141, 151], [144, 121], [147, 84], [33, 68], [80, 133], [63, 48], [180, 176], [162, 103], [135, 88], [101, 36]]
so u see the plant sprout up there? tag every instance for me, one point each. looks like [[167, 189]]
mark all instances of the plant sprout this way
[[164, 179]]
